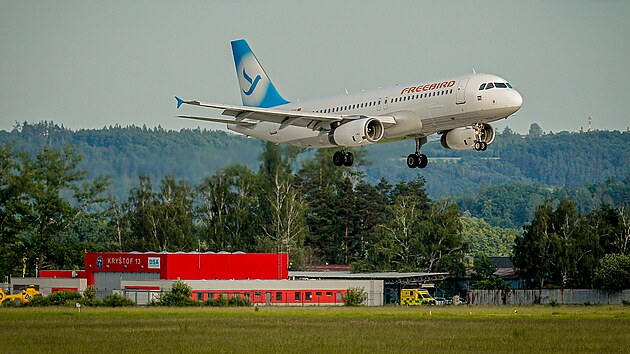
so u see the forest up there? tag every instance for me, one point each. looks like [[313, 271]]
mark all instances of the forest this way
[[63, 193]]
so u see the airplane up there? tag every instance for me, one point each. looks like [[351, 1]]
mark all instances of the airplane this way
[[459, 108]]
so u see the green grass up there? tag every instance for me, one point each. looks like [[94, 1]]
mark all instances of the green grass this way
[[317, 329]]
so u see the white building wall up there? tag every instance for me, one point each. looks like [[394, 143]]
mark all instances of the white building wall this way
[[47, 284]]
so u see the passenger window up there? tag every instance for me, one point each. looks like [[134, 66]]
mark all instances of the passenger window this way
[[482, 86], [489, 86]]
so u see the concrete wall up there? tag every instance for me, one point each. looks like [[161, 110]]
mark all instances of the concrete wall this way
[[547, 296]]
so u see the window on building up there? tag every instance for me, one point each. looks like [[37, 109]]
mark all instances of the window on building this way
[[199, 296], [339, 296], [329, 293], [297, 296], [278, 296], [308, 296], [318, 293]]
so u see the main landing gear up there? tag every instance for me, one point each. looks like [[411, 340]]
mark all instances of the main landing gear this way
[[480, 139], [418, 160], [343, 158]]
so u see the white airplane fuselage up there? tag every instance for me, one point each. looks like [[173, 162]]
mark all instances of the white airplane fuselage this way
[[419, 110]]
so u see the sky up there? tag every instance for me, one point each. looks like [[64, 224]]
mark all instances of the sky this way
[[91, 64]]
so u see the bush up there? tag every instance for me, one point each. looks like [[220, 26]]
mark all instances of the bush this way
[[221, 301], [178, 296], [60, 298], [11, 303], [117, 300], [89, 293], [239, 301], [354, 297], [613, 272]]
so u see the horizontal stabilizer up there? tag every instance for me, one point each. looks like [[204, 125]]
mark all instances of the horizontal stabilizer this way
[[220, 120]]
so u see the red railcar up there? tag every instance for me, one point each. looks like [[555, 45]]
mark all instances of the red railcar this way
[[277, 297]]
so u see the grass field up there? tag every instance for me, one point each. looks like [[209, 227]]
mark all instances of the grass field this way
[[604, 329]]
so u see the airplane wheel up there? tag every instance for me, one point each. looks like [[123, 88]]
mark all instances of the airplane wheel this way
[[478, 145], [424, 161], [413, 161], [339, 158], [348, 159], [484, 146]]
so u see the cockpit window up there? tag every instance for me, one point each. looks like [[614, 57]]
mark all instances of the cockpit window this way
[[489, 86], [508, 85], [500, 85], [482, 86]]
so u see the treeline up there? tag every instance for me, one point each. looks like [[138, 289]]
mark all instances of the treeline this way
[[555, 160], [565, 248], [124, 153], [513, 205]]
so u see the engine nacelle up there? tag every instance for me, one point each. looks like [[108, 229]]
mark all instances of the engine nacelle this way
[[357, 132], [464, 138]]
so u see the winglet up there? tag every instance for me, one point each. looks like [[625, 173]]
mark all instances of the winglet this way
[[179, 101]]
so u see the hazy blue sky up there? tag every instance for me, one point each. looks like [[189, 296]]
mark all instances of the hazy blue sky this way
[[88, 64]]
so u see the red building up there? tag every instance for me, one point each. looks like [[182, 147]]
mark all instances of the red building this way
[[191, 266]]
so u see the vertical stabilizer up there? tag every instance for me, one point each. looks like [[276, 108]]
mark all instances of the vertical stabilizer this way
[[256, 88]]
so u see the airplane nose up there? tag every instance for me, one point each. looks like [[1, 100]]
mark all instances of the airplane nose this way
[[516, 100]]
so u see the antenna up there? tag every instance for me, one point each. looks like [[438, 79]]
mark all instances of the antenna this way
[[590, 123], [474, 72], [346, 91]]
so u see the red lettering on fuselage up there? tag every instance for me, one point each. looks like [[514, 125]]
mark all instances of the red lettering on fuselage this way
[[428, 87]]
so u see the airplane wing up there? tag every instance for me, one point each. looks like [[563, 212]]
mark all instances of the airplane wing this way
[[220, 120], [246, 115]]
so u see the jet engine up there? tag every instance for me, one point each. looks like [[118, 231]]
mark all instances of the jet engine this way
[[357, 132], [476, 137]]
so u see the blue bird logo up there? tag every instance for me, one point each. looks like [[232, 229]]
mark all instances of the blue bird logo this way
[[253, 84]]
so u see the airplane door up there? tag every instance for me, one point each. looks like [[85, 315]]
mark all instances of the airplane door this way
[[378, 106], [461, 91], [385, 103]]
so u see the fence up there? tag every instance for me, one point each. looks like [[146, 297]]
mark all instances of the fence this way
[[547, 296]]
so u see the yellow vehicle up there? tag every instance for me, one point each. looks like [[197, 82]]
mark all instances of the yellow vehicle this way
[[416, 297], [23, 296]]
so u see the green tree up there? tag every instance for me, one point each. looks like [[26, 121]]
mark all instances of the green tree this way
[[613, 272], [161, 221], [535, 130], [228, 209], [441, 237]]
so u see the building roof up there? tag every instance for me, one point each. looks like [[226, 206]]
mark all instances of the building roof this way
[[388, 276]]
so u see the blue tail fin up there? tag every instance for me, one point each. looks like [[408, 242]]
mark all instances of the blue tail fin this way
[[256, 88]]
